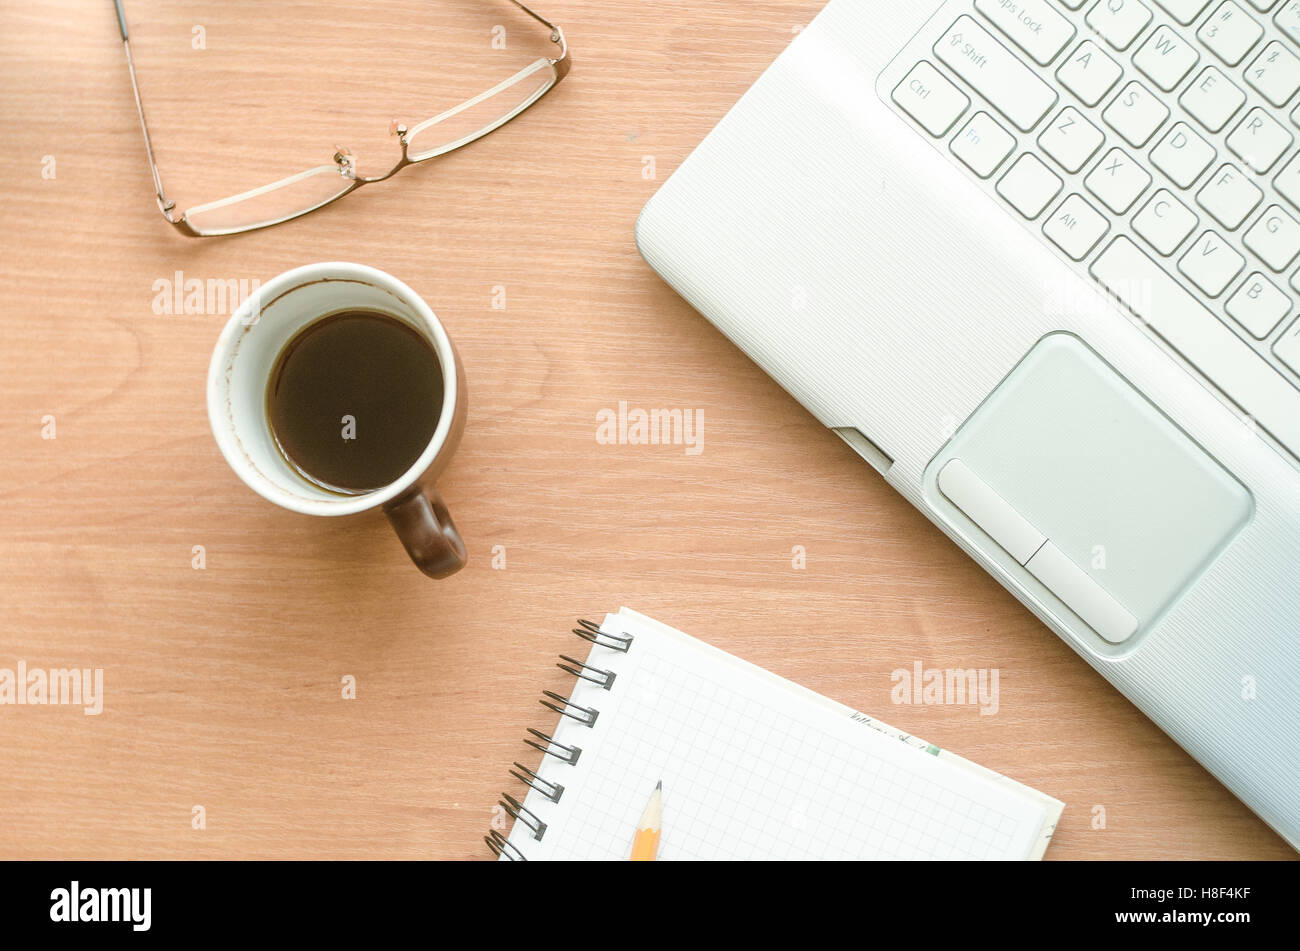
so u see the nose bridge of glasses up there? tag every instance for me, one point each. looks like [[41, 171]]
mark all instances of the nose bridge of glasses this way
[[395, 128]]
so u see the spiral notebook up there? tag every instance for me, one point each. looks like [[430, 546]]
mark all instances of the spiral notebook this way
[[753, 767]]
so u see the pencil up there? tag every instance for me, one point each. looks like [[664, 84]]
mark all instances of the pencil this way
[[646, 844]]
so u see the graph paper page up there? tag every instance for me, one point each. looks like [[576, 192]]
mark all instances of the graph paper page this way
[[756, 767]]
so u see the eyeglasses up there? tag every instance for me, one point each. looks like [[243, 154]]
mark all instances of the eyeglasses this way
[[307, 191]]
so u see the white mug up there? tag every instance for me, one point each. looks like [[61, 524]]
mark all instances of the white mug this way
[[242, 364]]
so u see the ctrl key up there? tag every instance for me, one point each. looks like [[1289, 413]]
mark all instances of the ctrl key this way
[[926, 96]]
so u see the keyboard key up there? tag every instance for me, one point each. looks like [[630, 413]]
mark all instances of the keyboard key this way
[[1166, 58], [1259, 306], [926, 96], [1275, 73], [1213, 98], [1071, 139], [1288, 19], [1165, 222], [1211, 263], [1118, 181], [1119, 21], [1090, 73], [1029, 186], [1288, 348], [983, 145], [1076, 227], [995, 73], [1260, 140], [1230, 32], [1135, 114], [1184, 11], [1230, 196], [1031, 24], [1206, 342], [1183, 155], [1275, 238], [1288, 181], [1263, 6]]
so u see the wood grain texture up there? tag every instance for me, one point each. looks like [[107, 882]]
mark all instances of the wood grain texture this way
[[223, 685]]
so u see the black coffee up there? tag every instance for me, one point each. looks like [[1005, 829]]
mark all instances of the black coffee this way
[[354, 399]]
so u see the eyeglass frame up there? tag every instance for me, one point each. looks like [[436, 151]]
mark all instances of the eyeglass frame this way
[[561, 64]]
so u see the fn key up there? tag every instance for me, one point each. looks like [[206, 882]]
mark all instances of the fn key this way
[[930, 99]]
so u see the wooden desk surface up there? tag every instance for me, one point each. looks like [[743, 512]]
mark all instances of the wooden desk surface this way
[[222, 685]]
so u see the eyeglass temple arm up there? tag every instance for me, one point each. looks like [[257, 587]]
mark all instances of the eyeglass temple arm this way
[[165, 205], [560, 62]]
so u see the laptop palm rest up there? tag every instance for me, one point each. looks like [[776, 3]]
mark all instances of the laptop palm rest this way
[[1086, 495]]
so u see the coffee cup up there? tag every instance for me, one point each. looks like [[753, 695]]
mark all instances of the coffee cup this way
[[250, 353]]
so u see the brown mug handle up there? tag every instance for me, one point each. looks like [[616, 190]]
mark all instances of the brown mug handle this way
[[424, 525]]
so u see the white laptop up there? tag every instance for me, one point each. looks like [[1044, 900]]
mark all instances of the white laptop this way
[[1038, 262]]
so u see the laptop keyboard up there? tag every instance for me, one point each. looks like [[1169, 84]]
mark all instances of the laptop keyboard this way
[[1153, 144]]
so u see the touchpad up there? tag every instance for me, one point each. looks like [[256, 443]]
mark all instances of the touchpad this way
[[1086, 493]]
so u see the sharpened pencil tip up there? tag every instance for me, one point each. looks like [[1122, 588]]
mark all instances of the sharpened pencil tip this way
[[659, 785]]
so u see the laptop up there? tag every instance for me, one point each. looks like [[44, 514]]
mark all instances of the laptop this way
[[1038, 263]]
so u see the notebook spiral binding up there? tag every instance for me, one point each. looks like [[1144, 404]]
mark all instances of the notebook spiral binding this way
[[590, 631]]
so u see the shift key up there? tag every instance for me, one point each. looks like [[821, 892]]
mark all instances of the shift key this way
[[995, 73]]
